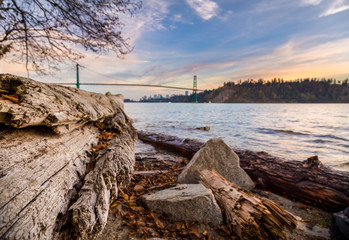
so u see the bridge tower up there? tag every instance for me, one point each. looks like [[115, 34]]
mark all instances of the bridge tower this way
[[77, 76], [195, 89]]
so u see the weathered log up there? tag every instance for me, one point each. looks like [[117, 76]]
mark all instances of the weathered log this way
[[184, 147], [40, 174], [114, 167], [39, 104], [46, 141], [309, 181], [248, 216]]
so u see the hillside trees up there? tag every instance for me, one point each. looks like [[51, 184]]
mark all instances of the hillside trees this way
[[277, 91], [47, 32]]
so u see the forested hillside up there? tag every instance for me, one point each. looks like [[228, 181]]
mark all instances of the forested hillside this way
[[275, 91]]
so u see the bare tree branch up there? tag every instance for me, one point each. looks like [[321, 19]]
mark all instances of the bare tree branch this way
[[47, 32]]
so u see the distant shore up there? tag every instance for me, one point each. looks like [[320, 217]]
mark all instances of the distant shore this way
[[312, 90]]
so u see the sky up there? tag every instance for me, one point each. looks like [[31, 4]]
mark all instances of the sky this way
[[219, 41]]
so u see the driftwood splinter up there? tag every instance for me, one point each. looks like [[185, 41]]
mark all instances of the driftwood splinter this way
[[248, 216]]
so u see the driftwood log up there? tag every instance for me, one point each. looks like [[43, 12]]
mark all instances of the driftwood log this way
[[47, 132], [248, 216], [309, 181]]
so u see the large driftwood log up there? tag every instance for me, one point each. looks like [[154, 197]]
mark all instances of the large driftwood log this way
[[46, 136], [40, 173], [248, 216], [39, 104], [308, 181]]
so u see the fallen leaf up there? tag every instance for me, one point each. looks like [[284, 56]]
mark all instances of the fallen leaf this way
[[12, 98], [194, 230], [113, 205], [99, 147], [125, 196], [138, 188], [137, 208], [157, 221], [114, 210]]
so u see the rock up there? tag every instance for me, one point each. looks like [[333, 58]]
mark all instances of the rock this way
[[340, 225], [192, 202], [205, 128], [217, 155]]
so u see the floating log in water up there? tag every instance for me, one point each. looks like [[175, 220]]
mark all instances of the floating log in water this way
[[248, 216], [308, 181], [46, 141]]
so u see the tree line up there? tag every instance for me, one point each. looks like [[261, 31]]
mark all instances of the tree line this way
[[308, 90]]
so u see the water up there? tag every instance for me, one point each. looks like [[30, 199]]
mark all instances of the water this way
[[290, 131]]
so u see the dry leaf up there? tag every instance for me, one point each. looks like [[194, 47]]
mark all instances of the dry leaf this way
[[12, 98], [113, 205], [138, 188], [158, 223], [137, 208], [194, 230], [99, 147]]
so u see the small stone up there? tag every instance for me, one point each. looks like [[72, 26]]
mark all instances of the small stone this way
[[205, 128]]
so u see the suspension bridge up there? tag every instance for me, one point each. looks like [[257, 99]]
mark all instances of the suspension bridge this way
[[194, 89]]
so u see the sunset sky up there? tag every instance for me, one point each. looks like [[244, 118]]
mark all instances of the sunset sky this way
[[220, 41]]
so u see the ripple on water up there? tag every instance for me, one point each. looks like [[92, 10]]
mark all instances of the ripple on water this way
[[293, 131]]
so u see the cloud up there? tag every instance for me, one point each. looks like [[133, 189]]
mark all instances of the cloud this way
[[311, 2], [336, 7], [206, 9], [148, 18], [178, 18], [296, 59]]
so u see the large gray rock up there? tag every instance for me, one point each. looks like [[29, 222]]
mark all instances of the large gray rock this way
[[340, 225], [217, 155], [192, 202]]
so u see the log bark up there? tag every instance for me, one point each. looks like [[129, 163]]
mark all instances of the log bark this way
[[46, 142], [307, 181], [248, 216]]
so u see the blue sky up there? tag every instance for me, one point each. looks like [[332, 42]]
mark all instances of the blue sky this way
[[220, 41]]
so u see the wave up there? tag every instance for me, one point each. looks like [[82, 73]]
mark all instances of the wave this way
[[320, 141], [278, 131], [330, 136], [341, 166]]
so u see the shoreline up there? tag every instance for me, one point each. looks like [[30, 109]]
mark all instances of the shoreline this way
[[313, 222]]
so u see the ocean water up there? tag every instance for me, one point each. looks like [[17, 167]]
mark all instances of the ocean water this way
[[290, 131]]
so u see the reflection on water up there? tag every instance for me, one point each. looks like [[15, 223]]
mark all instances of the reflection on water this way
[[292, 131]]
